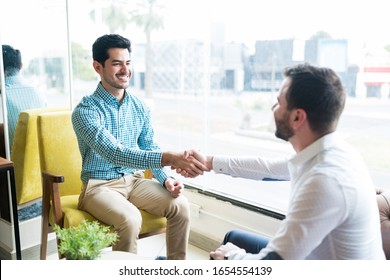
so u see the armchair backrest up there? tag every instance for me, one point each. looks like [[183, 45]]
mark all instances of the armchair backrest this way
[[59, 151], [25, 156]]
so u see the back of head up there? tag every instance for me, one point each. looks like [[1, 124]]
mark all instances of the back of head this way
[[12, 60], [319, 92], [102, 44]]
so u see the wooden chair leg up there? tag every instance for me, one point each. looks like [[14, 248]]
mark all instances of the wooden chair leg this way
[[45, 220]]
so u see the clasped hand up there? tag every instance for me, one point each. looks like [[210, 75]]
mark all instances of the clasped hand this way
[[192, 164]]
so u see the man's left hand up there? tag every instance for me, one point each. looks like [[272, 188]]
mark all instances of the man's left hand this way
[[174, 187], [222, 251]]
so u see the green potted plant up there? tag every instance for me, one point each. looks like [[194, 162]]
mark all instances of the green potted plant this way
[[85, 241]]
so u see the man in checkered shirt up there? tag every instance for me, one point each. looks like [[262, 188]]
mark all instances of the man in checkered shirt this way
[[115, 137]]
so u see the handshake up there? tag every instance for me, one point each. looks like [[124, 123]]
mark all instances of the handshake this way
[[189, 163]]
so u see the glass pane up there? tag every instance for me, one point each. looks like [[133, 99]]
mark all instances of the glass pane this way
[[38, 31], [211, 70]]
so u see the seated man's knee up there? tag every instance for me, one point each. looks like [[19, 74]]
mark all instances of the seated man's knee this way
[[251, 242], [231, 236], [129, 222], [179, 207]]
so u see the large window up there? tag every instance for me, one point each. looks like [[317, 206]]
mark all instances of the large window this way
[[39, 30], [210, 70]]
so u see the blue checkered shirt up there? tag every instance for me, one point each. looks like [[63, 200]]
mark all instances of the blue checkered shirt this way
[[20, 97], [115, 138]]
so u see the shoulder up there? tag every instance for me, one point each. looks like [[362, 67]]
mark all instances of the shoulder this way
[[85, 103], [86, 108], [135, 99], [137, 103], [89, 102]]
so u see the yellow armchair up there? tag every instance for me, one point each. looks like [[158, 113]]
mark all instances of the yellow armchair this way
[[25, 156], [61, 168]]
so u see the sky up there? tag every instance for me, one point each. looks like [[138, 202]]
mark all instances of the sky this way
[[365, 23], [247, 20]]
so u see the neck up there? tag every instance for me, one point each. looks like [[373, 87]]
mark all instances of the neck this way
[[303, 140], [117, 93]]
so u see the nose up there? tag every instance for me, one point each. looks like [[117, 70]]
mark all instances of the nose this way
[[125, 68], [274, 106]]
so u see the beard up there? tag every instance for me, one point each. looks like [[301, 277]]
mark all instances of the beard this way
[[117, 81], [283, 129]]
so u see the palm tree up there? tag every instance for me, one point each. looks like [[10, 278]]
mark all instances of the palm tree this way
[[114, 15], [147, 15]]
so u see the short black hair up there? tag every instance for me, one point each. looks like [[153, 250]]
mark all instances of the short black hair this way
[[12, 60], [319, 92], [102, 44]]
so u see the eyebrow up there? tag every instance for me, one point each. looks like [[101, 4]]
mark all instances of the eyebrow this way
[[118, 60]]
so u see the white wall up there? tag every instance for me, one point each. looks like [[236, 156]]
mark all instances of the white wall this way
[[212, 217]]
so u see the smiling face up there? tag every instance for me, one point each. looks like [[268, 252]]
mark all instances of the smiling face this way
[[116, 72]]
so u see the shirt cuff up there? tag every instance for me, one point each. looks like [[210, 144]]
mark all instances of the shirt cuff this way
[[236, 254], [220, 164], [160, 175]]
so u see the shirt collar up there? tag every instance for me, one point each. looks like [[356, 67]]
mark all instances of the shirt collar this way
[[13, 80], [324, 143], [108, 97]]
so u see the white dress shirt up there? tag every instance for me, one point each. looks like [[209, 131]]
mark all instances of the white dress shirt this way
[[332, 212]]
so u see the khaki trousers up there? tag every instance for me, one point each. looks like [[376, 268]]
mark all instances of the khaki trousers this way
[[116, 202]]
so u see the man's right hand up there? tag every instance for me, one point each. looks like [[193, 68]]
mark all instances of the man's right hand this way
[[206, 161], [191, 162]]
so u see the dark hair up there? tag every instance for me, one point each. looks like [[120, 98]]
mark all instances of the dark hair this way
[[12, 60], [104, 43], [319, 92]]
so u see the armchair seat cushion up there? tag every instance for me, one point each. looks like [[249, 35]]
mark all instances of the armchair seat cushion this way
[[73, 216], [152, 223]]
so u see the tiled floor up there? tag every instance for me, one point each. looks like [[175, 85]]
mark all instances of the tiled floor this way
[[154, 246]]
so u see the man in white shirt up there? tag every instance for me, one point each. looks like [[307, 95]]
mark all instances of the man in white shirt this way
[[332, 212]]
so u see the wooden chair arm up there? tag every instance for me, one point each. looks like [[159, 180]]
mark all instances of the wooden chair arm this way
[[51, 192], [52, 177]]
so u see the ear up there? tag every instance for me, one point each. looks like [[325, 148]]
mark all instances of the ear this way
[[97, 66], [298, 117]]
